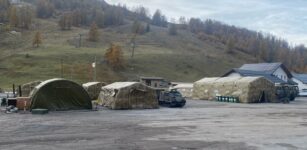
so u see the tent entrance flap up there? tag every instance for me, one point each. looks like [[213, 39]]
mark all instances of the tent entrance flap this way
[[262, 98]]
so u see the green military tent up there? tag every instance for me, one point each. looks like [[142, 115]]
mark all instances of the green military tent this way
[[60, 94]]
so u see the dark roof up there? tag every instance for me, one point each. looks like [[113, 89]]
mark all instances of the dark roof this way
[[268, 68], [301, 77], [245, 73]]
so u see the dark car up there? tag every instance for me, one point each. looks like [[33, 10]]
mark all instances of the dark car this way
[[171, 98]]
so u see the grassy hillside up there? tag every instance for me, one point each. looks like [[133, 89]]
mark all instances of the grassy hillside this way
[[178, 58]]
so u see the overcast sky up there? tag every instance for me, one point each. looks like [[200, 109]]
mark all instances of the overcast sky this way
[[283, 18]]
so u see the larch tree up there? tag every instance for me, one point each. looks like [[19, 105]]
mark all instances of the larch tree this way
[[37, 40], [4, 10], [13, 17], [183, 23], [158, 19], [25, 17], [44, 9], [172, 29], [93, 34], [65, 21], [230, 46], [148, 27], [137, 28], [114, 57], [99, 19], [141, 13]]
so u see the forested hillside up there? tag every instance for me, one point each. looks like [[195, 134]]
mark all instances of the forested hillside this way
[[41, 39]]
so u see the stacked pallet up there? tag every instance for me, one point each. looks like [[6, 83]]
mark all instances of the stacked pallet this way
[[23, 103]]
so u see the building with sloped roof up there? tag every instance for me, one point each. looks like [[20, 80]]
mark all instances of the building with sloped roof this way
[[155, 82], [274, 72], [301, 80]]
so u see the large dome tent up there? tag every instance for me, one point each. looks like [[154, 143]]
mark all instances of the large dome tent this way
[[60, 94]]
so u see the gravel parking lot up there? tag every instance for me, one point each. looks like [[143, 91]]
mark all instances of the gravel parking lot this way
[[199, 125]]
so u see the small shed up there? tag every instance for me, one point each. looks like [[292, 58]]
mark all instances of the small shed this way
[[128, 95], [28, 87], [186, 89], [60, 94], [155, 82], [247, 89], [93, 89]]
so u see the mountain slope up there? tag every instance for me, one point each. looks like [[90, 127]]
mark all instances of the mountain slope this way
[[178, 58]]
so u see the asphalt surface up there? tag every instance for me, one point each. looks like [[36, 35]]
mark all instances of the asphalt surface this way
[[199, 125]]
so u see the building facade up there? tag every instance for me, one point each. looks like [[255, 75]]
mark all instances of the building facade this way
[[275, 72], [301, 80]]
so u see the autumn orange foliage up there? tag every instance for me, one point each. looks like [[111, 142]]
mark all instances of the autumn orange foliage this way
[[114, 56]]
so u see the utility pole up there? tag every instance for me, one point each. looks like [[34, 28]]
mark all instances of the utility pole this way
[[95, 71], [133, 48], [133, 43], [76, 42], [14, 38], [62, 69], [80, 39], [14, 90], [71, 72]]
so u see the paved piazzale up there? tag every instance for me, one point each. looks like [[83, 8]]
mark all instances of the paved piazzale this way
[[199, 125]]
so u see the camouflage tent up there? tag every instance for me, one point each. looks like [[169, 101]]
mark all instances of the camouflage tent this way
[[93, 89], [247, 89], [60, 94], [128, 95], [28, 87]]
